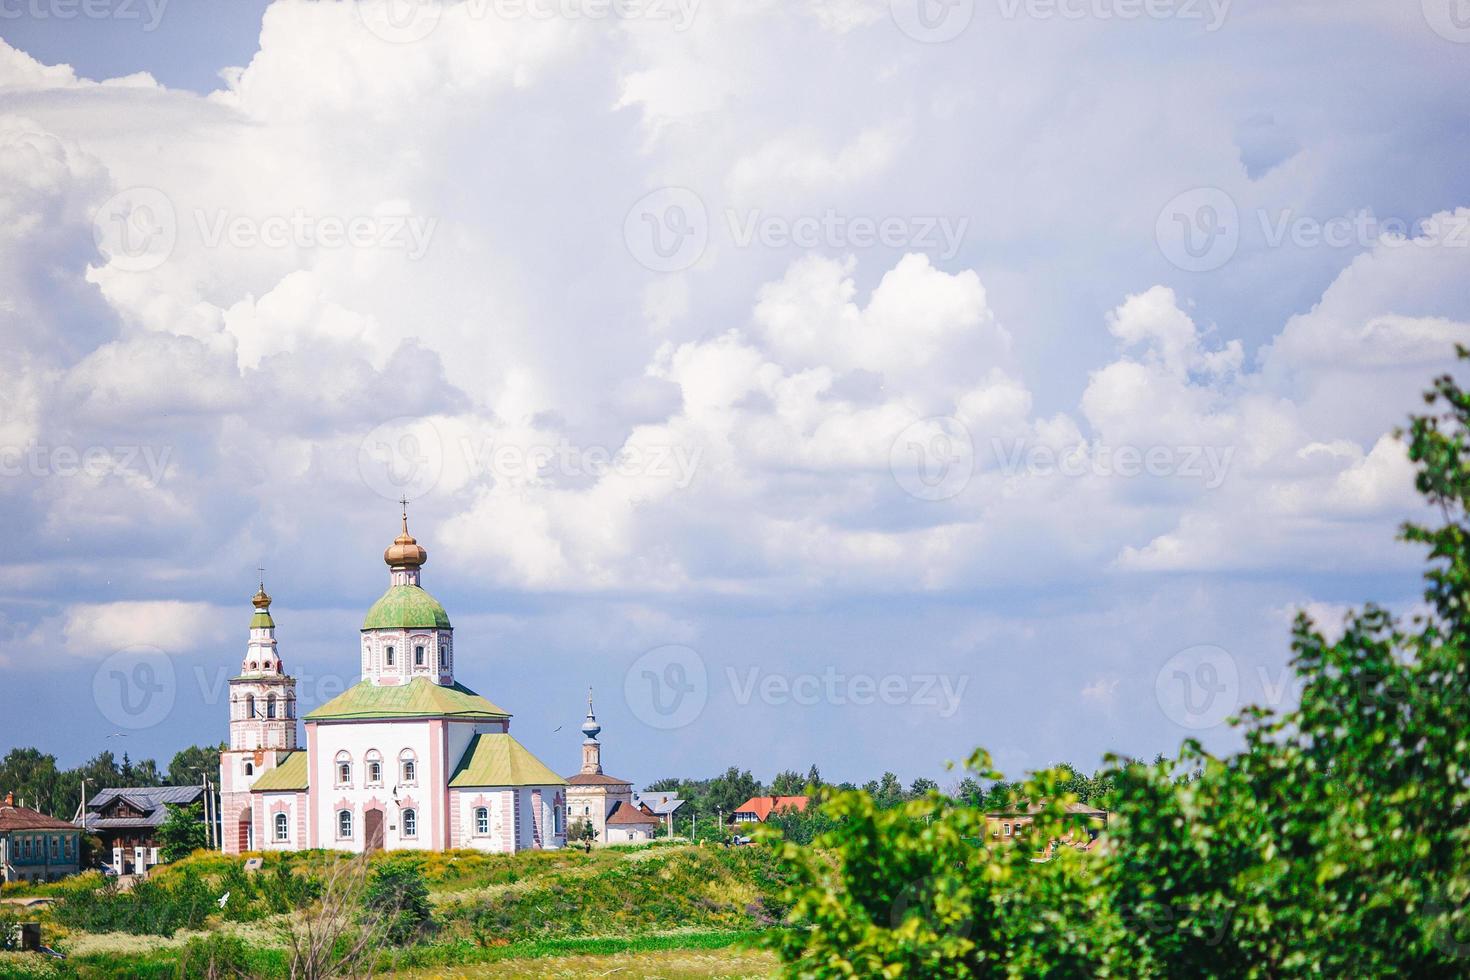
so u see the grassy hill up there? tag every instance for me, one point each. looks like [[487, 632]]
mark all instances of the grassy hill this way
[[678, 910]]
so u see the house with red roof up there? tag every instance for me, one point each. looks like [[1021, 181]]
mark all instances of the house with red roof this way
[[758, 809], [35, 847]]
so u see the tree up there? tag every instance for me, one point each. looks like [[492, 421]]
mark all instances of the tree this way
[[787, 783], [397, 897], [581, 830], [183, 832], [920, 786], [189, 765], [1333, 843], [729, 790]]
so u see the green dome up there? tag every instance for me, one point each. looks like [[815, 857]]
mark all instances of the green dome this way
[[406, 607]]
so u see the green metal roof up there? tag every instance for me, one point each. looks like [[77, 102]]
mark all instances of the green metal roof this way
[[262, 620], [496, 759], [419, 698], [406, 607], [290, 774]]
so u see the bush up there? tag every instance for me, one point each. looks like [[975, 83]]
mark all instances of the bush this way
[[397, 897], [215, 957]]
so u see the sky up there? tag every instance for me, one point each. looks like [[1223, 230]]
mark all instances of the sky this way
[[846, 383]]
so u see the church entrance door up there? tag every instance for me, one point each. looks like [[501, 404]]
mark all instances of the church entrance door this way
[[373, 830], [245, 835]]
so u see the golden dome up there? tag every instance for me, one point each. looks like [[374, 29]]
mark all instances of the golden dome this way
[[405, 550], [260, 600]]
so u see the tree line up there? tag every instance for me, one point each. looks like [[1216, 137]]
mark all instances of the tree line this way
[[34, 776]]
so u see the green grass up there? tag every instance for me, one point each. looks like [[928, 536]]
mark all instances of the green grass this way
[[677, 905]]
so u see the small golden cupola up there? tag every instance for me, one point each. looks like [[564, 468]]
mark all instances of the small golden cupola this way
[[405, 552]]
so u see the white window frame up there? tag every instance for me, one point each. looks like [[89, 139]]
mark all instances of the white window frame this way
[[410, 818], [340, 821], [283, 827], [482, 821]]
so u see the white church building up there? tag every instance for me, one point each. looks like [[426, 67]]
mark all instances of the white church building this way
[[406, 759]]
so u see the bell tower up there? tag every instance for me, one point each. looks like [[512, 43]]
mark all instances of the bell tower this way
[[591, 747], [262, 725]]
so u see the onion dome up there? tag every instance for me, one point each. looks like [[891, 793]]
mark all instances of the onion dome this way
[[590, 727], [262, 603], [405, 551]]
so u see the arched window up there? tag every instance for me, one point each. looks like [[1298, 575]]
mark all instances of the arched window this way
[[249, 706], [408, 767], [270, 705], [388, 656], [283, 831], [410, 823], [374, 762], [443, 656], [482, 821], [344, 769], [418, 656], [249, 768], [344, 823], [290, 707]]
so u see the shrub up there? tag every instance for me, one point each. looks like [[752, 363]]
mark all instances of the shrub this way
[[397, 896], [214, 957]]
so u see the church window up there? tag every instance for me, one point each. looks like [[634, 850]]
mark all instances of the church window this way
[[270, 706], [418, 656], [410, 823], [408, 767], [388, 656], [374, 762], [249, 706], [344, 769], [290, 707], [482, 821], [282, 827], [344, 823], [249, 768]]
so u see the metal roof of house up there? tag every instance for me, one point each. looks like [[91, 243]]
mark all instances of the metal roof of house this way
[[419, 698], [289, 775], [13, 818], [496, 759], [662, 804], [152, 801]]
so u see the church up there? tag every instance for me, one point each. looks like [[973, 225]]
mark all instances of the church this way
[[408, 758]]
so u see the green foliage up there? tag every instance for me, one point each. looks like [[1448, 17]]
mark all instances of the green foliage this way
[[149, 907], [397, 897], [192, 764], [184, 832], [1335, 843], [580, 830], [214, 956]]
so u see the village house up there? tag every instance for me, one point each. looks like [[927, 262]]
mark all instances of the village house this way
[[127, 819], [35, 847], [758, 809]]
